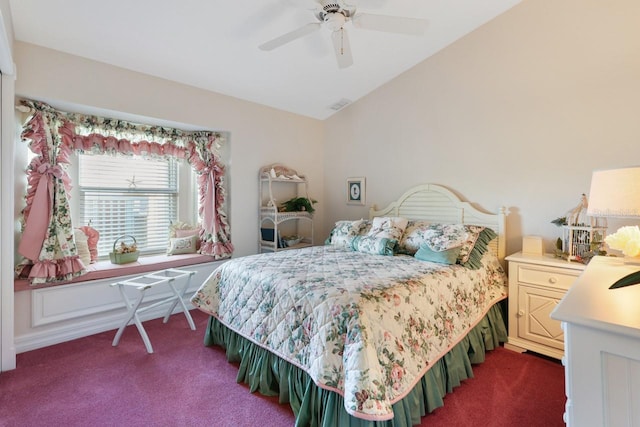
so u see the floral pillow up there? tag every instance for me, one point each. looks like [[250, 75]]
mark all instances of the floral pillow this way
[[374, 245], [472, 241], [182, 245], [344, 232], [474, 260], [441, 237], [473, 232], [388, 227], [413, 236]]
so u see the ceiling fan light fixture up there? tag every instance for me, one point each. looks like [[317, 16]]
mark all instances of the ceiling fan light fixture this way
[[335, 21], [329, 8]]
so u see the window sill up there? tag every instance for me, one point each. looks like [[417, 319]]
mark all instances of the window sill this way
[[106, 270]]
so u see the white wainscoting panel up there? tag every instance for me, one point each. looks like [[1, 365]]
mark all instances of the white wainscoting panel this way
[[49, 316], [621, 389]]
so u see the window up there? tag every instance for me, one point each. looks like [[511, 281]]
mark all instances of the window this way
[[117, 198], [129, 195]]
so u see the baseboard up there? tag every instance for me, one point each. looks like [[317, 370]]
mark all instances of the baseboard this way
[[521, 345], [107, 322]]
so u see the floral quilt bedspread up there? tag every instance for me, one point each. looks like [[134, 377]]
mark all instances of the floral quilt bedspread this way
[[367, 326]]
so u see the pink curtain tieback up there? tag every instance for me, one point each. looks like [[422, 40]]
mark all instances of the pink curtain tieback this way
[[49, 169], [209, 223], [35, 229]]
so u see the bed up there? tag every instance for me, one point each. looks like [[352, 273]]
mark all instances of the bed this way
[[349, 335]]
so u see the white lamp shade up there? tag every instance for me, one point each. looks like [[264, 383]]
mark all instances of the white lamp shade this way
[[615, 193]]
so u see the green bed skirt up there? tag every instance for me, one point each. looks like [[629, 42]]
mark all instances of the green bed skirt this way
[[314, 406]]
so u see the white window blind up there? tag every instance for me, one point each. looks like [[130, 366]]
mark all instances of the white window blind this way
[[134, 196]]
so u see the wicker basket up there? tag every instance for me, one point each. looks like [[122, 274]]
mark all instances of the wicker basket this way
[[124, 257]]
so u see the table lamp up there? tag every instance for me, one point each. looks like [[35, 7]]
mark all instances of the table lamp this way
[[616, 193]]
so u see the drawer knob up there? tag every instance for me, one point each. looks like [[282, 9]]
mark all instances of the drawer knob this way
[[520, 313], [552, 280]]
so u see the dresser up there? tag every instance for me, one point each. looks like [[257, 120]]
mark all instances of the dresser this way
[[537, 283], [602, 347]]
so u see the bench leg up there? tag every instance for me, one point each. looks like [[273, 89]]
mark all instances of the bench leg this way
[[143, 334], [131, 314], [178, 300]]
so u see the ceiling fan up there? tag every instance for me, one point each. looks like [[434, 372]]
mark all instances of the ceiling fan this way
[[334, 15]]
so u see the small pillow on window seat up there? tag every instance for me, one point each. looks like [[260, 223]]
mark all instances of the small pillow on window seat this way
[[93, 236], [184, 229], [82, 246], [182, 245]]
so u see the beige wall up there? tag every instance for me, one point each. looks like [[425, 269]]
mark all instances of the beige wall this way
[[258, 135], [518, 113]]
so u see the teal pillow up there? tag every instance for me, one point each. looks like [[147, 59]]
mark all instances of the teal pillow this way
[[447, 256], [374, 245], [475, 256]]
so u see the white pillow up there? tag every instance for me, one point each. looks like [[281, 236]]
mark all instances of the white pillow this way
[[182, 245], [388, 227], [82, 246]]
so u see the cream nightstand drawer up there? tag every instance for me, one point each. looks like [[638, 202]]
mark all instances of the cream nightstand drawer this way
[[547, 276]]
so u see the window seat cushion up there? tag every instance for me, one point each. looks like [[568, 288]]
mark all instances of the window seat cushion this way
[[105, 269]]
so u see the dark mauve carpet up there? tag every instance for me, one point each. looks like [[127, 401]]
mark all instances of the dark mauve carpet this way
[[87, 382]]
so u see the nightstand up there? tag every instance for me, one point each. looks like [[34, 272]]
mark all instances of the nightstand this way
[[537, 283]]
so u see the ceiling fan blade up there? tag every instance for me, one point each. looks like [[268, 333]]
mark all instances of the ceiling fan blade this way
[[290, 36], [306, 4], [342, 48], [390, 24]]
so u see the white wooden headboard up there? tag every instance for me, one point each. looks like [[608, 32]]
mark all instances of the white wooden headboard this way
[[435, 203]]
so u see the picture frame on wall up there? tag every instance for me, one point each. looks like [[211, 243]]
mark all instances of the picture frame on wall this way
[[356, 190]]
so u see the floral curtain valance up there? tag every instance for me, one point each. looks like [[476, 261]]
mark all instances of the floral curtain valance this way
[[47, 241], [88, 133]]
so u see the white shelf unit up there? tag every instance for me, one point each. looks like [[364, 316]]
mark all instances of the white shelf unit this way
[[279, 183]]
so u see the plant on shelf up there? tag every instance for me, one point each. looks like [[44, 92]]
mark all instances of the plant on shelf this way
[[299, 204]]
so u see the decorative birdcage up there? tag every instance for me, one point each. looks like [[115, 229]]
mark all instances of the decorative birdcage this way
[[578, 241], [582, 235]]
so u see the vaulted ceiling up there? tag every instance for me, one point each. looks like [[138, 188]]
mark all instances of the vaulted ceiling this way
[[213, 45]]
